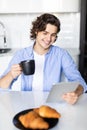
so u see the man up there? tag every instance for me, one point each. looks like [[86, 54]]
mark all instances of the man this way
[[50, 61]]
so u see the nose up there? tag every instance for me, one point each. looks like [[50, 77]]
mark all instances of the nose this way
[[49, 37]]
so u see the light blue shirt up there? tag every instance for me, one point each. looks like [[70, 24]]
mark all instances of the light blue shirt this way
[[57, 60]]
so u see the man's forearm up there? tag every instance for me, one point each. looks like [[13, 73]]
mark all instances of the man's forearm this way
[[79, 90], [6, 81]]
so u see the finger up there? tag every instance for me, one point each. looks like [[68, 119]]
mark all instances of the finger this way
[[70, 98]]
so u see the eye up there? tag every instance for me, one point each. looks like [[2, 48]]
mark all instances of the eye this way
[[44, 33], [54, 35]]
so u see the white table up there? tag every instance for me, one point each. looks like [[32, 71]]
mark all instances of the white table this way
[[73, 117]]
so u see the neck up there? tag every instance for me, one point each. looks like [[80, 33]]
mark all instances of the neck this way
[[39, 50]]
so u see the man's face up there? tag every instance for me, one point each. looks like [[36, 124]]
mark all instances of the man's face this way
[[47, 37]]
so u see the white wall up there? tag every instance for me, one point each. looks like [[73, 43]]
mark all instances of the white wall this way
[[27, 6], [18, 28]]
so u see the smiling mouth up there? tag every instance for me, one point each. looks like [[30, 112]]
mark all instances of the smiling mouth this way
[[47, 43]]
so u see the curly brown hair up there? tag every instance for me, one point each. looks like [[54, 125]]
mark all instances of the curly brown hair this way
[[40, 24]]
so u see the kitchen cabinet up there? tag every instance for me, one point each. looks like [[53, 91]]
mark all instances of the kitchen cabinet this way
[[83, 40], [40, 6], [4, 60]]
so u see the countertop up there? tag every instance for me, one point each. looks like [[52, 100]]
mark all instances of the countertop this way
[[9, 53], [73, 117], [72, 51]]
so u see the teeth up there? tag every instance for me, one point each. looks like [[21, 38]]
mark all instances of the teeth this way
[[46, 43]]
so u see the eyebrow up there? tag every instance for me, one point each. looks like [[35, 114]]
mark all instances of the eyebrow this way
[[48, 32]]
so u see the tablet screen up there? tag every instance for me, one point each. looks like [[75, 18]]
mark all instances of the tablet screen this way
[[59, 89]]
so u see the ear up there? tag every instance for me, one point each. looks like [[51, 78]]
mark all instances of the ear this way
[[36, 32]]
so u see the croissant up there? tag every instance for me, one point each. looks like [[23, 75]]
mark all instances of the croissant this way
[[39, 123], [48, 112], [35, 118], [36, 110], [33, 121], [27, 118]]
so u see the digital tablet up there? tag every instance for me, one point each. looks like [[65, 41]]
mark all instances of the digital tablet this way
[[59, 89]]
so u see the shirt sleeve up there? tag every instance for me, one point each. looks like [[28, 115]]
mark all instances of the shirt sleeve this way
[[71, 71]]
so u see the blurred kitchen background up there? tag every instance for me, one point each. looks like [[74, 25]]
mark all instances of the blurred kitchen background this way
[[15, 23]]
